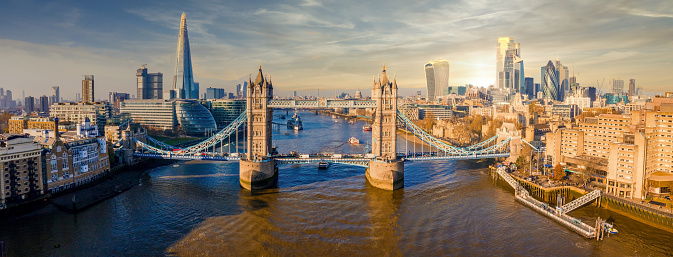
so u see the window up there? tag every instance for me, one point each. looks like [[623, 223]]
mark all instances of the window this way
[[65, 161]]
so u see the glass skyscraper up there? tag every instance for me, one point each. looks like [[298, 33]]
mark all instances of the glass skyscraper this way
[[550, 81], [183, 82], [509, 65], [437, 76]]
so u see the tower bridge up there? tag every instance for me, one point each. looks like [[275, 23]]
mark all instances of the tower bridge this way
[[384, 166]]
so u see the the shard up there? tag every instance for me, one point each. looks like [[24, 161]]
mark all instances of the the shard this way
[[183, 82]]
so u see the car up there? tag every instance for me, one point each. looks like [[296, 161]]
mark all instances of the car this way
[[667, 198]]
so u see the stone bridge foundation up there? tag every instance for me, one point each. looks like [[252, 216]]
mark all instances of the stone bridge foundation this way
[[258, 174], [386, 175]]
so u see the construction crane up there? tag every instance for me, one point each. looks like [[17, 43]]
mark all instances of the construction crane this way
[[599, 87]]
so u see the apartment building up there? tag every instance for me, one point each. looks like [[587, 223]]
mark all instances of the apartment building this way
[[18, 123], [73, 160], [20, 169]]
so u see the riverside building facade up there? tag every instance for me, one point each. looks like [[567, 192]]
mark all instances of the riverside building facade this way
[[186, 115], [20, 169], [626, 150]]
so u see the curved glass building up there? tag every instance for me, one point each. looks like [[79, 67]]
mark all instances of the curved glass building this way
[[194, 118], [550, 82]]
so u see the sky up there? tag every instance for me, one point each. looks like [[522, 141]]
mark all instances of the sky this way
[[331, 45]]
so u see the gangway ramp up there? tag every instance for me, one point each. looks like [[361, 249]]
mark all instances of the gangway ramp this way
[[579, 202]]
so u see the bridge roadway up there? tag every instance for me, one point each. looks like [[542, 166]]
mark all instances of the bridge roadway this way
[[321, 104], [354, 160]]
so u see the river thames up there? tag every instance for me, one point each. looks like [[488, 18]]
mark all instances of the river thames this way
[[197, 208]]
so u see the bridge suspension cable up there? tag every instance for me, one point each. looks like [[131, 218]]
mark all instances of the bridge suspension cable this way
[[219, 136], [478, 148]]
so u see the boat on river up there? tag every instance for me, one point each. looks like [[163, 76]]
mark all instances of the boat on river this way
[[367, 127], [354, 141], [323, 165]]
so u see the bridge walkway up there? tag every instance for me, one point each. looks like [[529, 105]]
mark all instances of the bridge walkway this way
[[523, 197]]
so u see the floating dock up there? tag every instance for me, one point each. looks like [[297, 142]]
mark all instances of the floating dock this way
[[557, 214]]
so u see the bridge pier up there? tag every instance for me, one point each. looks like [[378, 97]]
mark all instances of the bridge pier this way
[[258, 174], [386, 175]]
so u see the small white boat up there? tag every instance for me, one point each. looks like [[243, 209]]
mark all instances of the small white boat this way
[[354, 141], [323, 165], [336, 121]]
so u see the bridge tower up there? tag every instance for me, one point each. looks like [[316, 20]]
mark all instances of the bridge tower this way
[[385, 171], [257, 168]]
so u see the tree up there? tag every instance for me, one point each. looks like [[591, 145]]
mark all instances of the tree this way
[[591, 165], [559, 173], [428, 121], [4, 121], [476, 124]]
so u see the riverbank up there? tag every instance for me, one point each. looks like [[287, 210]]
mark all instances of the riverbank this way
[[118, 180], [652, 216], [124, 178]]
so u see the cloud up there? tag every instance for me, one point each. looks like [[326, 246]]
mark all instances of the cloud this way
[[341, 44], [311, 3], [643, 13]]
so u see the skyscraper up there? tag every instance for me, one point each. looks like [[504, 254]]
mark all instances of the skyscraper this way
[[87, 89], [563, 74], [183, 82], [530, 88], [150, 85], [632, 87], [55, 95], [437, 76], [29, 104], [618, 86], [507, 55], [549, 81], [44, 104]]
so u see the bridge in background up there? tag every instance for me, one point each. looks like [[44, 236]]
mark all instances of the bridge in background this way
[[384, 165]]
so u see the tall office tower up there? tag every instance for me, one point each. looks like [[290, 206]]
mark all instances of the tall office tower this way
[[550, 81], [195, 89], [504, 72], [87, 89], [245, 89], [518, 78], [632, 87], [44, 104], [437, 76], [591, 93], [30, 104], [150, 85], [530, 88], [238, 90], [55, 95], [430, 77], [617, 86], [562, 75], [183, 82], [78, 97], [10, 101], [294, 93]]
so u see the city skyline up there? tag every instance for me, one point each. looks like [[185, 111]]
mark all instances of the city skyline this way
[[315, 44]]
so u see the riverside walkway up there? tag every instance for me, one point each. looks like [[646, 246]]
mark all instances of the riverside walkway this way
[[557, 215]]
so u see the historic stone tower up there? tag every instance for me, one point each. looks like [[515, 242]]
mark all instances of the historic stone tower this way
[[385, 171], [258, 169]]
